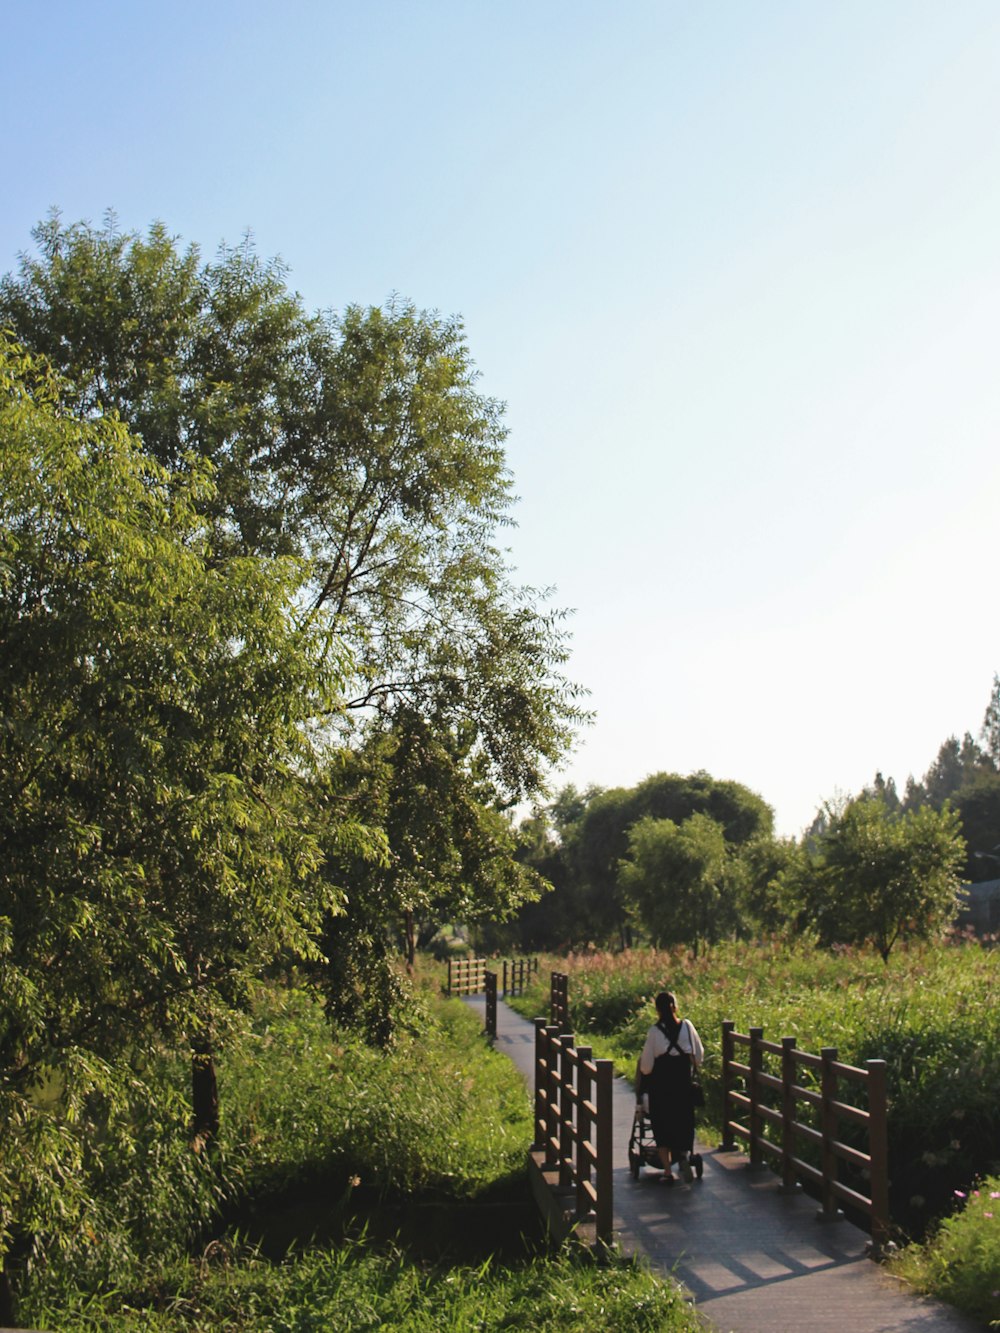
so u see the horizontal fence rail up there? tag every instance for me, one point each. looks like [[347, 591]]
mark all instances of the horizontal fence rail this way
[[765, 1099], [467, 976], [573, 1128]]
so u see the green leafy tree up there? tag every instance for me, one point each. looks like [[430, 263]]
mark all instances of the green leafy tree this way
[[597, 841], [451, 856], [356, 441], [880, 875], [156, 753], [991, 724], [761, 872], [978, 807], [957, 764], [675, 879]]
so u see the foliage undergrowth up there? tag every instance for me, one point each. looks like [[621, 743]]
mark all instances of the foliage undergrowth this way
[[327, 1145], [930, 1013], [961, 1261], [352, 1286]]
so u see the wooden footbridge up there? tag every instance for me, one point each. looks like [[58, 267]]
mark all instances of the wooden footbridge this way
[[754, 1258]]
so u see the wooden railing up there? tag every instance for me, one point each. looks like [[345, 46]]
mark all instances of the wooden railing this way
[[572, 1156], [517, 974], [761, 1089], [467, 976], [559, 1000]]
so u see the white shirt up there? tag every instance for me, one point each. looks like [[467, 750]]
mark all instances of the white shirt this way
[[656, 1045]]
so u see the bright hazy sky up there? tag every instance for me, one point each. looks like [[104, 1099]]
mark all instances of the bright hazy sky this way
[[734, 267]]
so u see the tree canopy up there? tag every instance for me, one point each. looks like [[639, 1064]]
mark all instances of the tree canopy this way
[[355, 452], [880, 874], [356, 441], [156, 754]]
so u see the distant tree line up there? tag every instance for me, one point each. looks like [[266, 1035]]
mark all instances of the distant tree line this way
[[692, 860]]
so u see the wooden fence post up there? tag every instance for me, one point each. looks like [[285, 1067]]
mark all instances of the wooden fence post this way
[[828, 1127], [605, 1202], [551, 1099], [584, 1127], [491, 1005], [567, 1098], [559, 999], [878, 1150], [728, 1141], [539, 1098], [788, 1182], [755, 1121]]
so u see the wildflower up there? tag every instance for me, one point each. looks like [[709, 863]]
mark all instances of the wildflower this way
[[995, 1194], [987, 1214], [960, 1194]]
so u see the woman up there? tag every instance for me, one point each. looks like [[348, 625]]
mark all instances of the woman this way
[[672, 1051]]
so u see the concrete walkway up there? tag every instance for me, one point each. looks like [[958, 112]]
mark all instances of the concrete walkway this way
[[753, 1259]]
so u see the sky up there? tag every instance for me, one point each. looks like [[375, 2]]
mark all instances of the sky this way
[[733, 266]]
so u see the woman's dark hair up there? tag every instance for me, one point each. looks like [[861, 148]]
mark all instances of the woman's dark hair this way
[[666, 1005]]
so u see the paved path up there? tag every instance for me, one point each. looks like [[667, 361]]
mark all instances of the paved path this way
[[755, 1260]]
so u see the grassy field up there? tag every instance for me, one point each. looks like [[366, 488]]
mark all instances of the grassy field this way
[[357, 1189], [931, 1013]]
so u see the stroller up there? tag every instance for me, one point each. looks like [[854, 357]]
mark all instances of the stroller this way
[[642, 1149]]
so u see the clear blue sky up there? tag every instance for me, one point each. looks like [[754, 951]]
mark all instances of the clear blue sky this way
[[734, 267]]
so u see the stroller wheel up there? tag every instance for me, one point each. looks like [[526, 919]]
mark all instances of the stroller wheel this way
[[633, 1161], [698, 1164]]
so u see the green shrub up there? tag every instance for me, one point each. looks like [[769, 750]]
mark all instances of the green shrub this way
[[961, 1262], [439, 1111]]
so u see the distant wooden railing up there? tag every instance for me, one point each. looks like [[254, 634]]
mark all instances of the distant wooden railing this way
[[467, 976], [761, 1088], [517, 974], [559, 1000], [571, 1162]]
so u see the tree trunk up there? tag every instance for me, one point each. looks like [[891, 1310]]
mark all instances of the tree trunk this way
[[7, 1319], [204, 1094], [411, 942]]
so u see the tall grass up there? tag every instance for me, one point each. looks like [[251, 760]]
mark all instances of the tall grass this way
[[353, 1287], [328, 1148]]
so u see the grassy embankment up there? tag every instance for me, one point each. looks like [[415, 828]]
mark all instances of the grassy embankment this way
[[931, 1013], [355, 1189]]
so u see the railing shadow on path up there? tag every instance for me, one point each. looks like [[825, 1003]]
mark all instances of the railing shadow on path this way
[[752, 1257]]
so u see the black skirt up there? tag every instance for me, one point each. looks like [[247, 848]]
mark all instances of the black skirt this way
[[671, 1105]]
